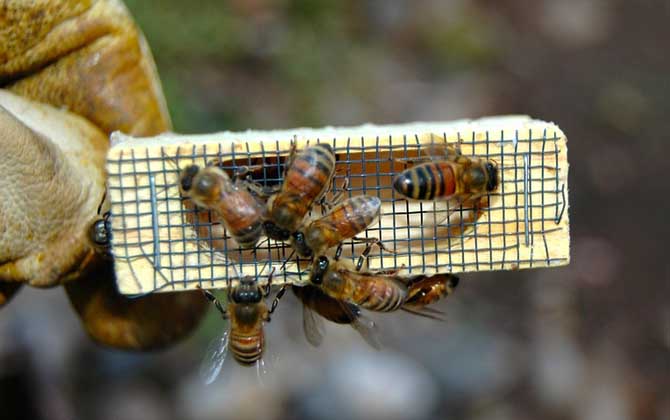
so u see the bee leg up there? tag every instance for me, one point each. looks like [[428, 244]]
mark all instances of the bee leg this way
[[476, 203], [476, 207], [457, 147], [259, 189], [268, 285], [391, 272], [241, 173], [364, 255], [275, 301], [405, 162], [278, 296], [381, 245], [338, 196], [338, 252], [460, 203], [243, 179], [373, 241], [214, 300]]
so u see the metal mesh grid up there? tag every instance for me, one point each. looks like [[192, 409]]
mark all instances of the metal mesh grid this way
[[162, 242]]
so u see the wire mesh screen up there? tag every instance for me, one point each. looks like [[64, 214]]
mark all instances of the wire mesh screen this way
[[163, 242]]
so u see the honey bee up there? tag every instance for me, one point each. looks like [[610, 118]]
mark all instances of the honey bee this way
[[307, 178], [246, 312], [381, 292], [424, 291], [315, 302], [241, 213], [344, 221], [449, 174]]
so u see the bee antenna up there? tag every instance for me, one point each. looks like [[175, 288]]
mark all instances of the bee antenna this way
[[258, 245], [104, 196]]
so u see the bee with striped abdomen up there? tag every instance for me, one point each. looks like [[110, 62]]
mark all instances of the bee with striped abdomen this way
[[339, 279], [308, 176], [344, 221], [449, 174], [241, 213], [246, 311]]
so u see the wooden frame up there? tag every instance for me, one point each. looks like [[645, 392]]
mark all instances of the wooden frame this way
[[157, 246]]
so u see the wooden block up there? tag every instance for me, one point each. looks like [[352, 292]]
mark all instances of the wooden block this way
[[158, 247]]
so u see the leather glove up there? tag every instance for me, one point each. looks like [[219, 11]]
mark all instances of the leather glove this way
[[71, 72]]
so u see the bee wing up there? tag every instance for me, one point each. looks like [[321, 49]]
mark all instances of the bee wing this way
[[440, 151], [363, 325], [368, 330], [262, 371], [214, 358], [313, 326], [453, 218], [425, 312]]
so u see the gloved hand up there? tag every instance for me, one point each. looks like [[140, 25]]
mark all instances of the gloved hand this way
[[70, 74]]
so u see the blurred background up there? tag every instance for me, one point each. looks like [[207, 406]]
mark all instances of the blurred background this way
[[589, 341]]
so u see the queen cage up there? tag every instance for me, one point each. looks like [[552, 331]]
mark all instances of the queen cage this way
[[161, 242]]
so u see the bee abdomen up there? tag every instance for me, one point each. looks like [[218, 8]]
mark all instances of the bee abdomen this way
[[249, 235], [428, 291], [361, 211], [426, 181], [311, 172], [383, 297], [307, 180], [246, 349], [324, 158]]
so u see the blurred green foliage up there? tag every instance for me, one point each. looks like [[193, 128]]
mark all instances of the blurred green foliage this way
[[271, 64]]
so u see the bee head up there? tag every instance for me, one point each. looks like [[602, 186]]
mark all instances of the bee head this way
[[187, 176], [247, 291], [319, 269], [300, 245], [275, 232], [492, 172], [99, 233]]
